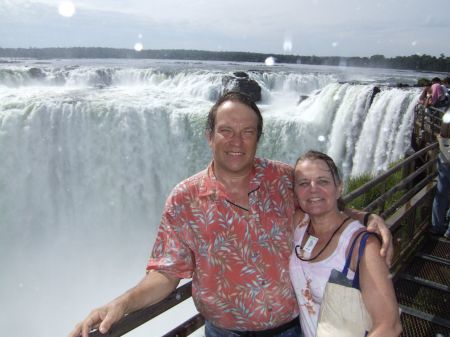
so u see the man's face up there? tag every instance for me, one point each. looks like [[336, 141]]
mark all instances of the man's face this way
[[233, 140]]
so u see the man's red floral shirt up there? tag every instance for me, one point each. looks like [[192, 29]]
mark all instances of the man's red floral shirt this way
[[238, 259]]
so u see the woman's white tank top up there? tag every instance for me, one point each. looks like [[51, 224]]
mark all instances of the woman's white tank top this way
[[310, 278]]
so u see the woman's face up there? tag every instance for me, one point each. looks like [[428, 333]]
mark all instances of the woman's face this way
[[315, 188]]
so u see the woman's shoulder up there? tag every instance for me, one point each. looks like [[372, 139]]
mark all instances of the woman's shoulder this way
[[371, 248], [351, 230], [351, 233]]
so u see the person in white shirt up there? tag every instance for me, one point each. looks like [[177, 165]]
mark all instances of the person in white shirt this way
[[321, 242]]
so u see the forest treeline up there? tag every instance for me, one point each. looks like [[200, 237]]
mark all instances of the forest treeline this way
[[414, 62]]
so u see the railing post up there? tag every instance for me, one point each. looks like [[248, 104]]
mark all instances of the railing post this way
[[433, 156], [408, 169]]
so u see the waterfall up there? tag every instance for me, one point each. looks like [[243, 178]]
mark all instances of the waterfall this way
[[386, 131], [89, 154]]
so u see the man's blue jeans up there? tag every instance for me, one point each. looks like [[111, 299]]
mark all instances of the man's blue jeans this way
[[441, 201], [214, 331]]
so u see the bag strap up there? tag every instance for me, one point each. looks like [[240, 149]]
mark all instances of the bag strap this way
[[350, 253], [362, 245]]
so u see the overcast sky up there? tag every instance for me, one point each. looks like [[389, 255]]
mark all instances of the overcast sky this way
[[300, 27]]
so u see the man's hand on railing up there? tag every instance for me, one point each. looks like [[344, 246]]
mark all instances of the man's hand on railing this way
[[154, 287], [377, 225], [102, 318]]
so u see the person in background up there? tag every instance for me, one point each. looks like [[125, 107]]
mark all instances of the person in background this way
[[321, 243], [425, 95], [441, 198], [230, 229], [438, 99]]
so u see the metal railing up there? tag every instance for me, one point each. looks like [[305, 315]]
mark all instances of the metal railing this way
[[410, 183], [404, 201], [135, 319], [427, 122]]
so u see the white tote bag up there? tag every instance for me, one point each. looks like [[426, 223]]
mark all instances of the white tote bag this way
[[342, 312]]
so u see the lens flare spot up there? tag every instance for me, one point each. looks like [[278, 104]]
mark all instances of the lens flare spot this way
[[334, 44], [138, 46], [446, 117], [270, 61], [287, 45], [139, 36], [414, 43], [66, 8], [321, 138]]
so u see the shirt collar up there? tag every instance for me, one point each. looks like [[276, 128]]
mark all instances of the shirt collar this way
[[211, 186]]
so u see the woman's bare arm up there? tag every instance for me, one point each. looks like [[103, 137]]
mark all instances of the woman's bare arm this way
[[378, 292]]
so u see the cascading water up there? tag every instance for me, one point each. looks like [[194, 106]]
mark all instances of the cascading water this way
[[89, 154]]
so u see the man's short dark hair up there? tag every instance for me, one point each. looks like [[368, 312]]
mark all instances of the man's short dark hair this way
[[234, 96]]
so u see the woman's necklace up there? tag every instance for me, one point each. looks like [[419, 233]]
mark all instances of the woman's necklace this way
[[312, 241]]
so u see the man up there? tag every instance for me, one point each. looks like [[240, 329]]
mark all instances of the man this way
[[441, 198], [230, 228]]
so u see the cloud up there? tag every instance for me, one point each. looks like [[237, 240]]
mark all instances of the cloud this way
[[358, 27]]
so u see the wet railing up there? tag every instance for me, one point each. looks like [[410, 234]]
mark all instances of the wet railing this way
[[404, 200], [135, 319], [427, 122]]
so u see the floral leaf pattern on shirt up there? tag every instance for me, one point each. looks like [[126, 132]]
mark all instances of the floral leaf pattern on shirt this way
[[238, 259]]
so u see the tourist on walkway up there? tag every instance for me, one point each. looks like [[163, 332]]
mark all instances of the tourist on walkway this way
[[441, 198], [438, 99]]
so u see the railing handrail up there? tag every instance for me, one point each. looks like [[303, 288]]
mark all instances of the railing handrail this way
[[437, 110], [133, 320], [372, 183], [398, 187]]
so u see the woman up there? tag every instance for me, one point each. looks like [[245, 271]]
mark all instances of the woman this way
[[321, 244]]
